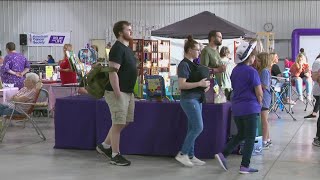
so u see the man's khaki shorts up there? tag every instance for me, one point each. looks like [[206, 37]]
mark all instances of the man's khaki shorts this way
[[122, 109]]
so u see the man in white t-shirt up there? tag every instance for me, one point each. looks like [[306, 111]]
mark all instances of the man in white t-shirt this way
[[316, 94]]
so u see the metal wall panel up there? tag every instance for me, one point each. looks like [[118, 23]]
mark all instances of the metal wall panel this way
[[94, 19]]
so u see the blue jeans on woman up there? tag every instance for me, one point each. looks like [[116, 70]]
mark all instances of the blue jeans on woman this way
[[299, 85], [6, 110], [193, 109], [247, 127]]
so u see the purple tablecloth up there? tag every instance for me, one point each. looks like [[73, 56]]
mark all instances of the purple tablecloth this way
[[82, 122], [160, 128], [75, 122]]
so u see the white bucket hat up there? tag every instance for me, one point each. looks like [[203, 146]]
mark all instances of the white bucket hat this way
[[244, 50]]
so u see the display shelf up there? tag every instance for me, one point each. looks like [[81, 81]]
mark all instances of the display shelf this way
[[153, 56], [267, 40]]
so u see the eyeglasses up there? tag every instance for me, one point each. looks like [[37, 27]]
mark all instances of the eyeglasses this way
[[196, 50]]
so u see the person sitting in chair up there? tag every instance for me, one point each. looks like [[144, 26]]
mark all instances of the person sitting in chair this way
[[276, 72], [27, 94], [301, 73]]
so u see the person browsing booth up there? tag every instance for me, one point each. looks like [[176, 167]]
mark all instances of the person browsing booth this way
[[193, 84], [300, 72], [210, 56], [246, 106]]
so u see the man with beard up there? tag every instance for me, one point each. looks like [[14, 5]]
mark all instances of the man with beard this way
[[119, 92], [210, 55]]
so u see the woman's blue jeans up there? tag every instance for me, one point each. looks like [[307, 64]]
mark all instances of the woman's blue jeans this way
[[299, 85], [6, 110], [193, 109]]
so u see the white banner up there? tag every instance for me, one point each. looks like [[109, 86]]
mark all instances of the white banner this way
[[49, 39], [177, 45]]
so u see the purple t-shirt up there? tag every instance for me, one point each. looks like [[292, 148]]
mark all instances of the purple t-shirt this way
[[17, 63], [244, 79]]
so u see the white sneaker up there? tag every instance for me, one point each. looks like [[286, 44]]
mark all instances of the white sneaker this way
[[265, 146], [184, 159], [301, 98], [197, 161], [309, 98]]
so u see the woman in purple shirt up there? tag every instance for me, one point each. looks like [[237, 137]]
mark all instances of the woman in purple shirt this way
[[246, 106], [14, 67]]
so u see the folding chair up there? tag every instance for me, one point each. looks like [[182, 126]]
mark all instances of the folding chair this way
[[26, 116], [305, 101], [42, 104], [288, 64], [279, 85]]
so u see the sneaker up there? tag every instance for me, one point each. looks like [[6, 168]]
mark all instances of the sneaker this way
[[309, 98], [247, 170], [288, 101], [265, 146], [291, 102], [316, 142], [269, 143], [310, 116], [222, 160], [197, 161], [184, 159], [119, 160], [301, 98], [106, 152]]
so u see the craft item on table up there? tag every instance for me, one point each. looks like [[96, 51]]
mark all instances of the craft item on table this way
[[155, 87], [172, 89], [76, 65], [219, 97], [49, 72], [216, 88], [87, 56], [174, 85]]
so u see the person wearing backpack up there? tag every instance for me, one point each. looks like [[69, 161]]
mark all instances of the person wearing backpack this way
[[119, 92]]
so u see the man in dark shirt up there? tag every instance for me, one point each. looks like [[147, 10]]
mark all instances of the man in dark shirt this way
[[119, 92]]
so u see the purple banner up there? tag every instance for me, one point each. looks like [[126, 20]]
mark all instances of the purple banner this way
[[56, 39]]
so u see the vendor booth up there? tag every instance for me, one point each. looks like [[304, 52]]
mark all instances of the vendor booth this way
[[160, 125], [199, 27]]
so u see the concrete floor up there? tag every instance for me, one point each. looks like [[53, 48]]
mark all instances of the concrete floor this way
[[24, 156]]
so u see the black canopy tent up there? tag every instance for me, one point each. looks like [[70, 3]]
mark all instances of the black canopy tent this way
[[199, 26]]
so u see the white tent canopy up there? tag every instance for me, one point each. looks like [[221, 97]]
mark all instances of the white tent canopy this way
[[176, 47]]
